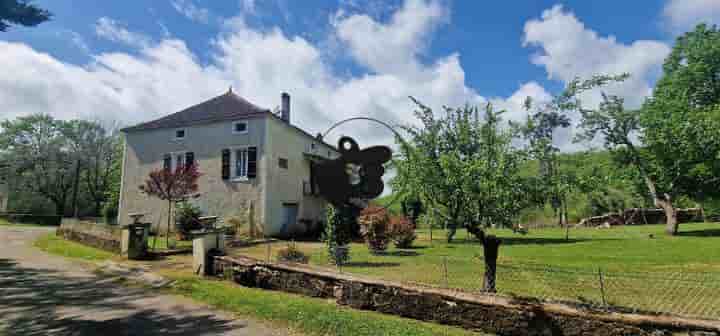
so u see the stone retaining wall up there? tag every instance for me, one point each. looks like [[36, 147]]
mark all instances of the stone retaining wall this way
[[487, 313], [102, 236]]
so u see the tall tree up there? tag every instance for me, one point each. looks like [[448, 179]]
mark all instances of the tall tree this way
[[95, 148], [678, 153], [543, 122], [40, 157], [21, 12], [680, 122], [462, 166]]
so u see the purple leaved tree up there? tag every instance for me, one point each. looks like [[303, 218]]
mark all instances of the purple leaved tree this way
[[172, 186]]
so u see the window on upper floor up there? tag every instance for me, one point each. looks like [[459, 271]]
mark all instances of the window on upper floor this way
[[283, 163], [179, 134], [240, 127]]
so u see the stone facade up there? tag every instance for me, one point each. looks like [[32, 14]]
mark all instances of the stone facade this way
[[104, 237], [486, 313], [276, 186]]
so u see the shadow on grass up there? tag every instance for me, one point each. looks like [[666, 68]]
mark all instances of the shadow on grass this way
[[370, 264], [400, 253], [527, 241], [41, 301], [700, 233]]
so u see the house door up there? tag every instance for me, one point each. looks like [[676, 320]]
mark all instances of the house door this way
[[289, 217]]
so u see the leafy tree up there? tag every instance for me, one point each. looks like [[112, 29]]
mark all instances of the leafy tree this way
[[172, 186], [97, 151], [40, 157], [679, 146], [543, 121], [21, 12], [462, 167]]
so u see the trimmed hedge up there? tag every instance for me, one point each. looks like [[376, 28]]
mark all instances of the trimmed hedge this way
[[50, 220]]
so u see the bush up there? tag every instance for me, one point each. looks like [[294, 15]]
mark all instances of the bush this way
[[402, 231], [186, 219], [374, 222], [291, 253], [338, 235], [110, 212]]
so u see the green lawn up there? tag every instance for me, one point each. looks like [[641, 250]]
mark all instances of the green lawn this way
[[56, 245], [642, 267], [4, 222], [162, 243], [308, 315]]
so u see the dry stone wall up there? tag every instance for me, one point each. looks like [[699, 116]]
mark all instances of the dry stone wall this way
[[102, 236], [487, 313]]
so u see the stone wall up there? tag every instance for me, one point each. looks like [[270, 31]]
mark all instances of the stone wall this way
[[486, 313], [102, 236]]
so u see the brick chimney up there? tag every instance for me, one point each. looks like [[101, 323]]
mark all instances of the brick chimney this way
[[285, 107]]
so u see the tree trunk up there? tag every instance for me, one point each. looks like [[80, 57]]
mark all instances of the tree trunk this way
[[167, 232], [671, 219], [491, 248], [76, 186]]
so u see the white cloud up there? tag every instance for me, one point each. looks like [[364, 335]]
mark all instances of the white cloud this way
[[567, 49], [393, 46], [164, 76], [114, 31], [188, 9], [248, 6], [683, 15]]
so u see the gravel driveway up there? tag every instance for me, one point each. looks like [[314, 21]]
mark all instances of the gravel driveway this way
[[41, 294]]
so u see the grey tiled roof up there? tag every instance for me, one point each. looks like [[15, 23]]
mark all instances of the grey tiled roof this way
[[228, 106]]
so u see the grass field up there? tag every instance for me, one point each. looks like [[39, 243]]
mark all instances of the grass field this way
[[642, 267], [308, 316], [162, 243], [55, 245], [4, 222]]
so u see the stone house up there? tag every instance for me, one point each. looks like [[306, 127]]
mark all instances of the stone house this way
[[256, 166]]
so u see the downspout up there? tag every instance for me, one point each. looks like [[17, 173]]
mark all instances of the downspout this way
[[122, 178]]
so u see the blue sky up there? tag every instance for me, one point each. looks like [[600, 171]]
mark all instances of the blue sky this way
[[134, 60]]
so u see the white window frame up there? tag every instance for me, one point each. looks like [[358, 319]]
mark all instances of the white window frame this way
[[185, 134], [233, 164], [174, 159], [234, 129]]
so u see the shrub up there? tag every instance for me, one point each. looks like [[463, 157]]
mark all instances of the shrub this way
[[402, 231], [186, 219], [338, 235], [291, 253], [374, 222], [110, 212]]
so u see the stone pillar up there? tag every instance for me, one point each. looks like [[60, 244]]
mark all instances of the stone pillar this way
[[201, 246]]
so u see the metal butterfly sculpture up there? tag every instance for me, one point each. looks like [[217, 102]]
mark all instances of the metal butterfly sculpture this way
[[355, 176]]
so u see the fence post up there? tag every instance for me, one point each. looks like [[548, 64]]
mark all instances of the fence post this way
[[602, 287], [445, 271]]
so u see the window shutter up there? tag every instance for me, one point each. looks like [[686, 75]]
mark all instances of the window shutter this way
[[167, 162], [252, 162], [225, 164], [189, 159]]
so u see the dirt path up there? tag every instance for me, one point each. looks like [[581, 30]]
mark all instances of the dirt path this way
[[41, 294]]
